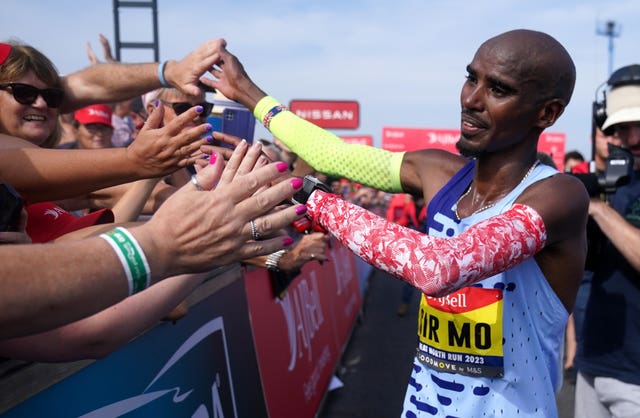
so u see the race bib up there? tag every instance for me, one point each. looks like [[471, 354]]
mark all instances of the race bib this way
[[462, 332]]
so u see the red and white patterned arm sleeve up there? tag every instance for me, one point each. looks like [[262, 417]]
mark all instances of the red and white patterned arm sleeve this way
[[437, 266]]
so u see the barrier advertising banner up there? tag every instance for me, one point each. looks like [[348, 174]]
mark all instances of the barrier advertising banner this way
[[204, 365], [553, 143], [362, 139], [299, 338], [328, 114], [412, 139]]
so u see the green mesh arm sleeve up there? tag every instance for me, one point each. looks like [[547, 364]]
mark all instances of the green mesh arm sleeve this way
[[327, 153]]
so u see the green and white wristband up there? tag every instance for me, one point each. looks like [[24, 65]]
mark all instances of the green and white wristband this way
[[131, 257]]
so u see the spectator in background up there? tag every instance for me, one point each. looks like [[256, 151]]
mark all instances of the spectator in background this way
[[365, 197], [176, 102], [571, 159], [608, 354], [123, 123], [94, 127]]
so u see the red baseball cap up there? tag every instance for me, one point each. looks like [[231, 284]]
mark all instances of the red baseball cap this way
[[5, 50], [100, 113], [46, 221]]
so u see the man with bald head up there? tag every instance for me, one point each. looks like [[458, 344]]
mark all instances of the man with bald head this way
[[505, 244]]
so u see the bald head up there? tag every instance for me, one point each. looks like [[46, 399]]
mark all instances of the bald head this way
[[539, 58]]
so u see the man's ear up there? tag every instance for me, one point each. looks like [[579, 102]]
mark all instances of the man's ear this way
[[550, 112]]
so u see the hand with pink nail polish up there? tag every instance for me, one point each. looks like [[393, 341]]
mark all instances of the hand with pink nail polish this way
[[231, 222]]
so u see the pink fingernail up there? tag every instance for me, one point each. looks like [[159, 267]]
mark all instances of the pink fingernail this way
[[296, 183], [282, 167], [287, 241], [301, 209], [212, 159]]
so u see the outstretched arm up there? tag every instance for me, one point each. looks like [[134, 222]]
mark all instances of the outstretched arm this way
[[321, 149], [106, 331], [436, 266], [113, 81], [53, 174]]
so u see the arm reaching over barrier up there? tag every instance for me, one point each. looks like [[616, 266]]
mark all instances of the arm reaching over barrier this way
[[322, 150], [437, 266]]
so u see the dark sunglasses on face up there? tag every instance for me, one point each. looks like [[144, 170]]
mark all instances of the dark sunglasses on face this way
[[26, 94], [181, 107]]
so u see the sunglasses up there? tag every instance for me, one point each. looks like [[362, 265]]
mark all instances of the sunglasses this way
[[181, 107], [26, 94]]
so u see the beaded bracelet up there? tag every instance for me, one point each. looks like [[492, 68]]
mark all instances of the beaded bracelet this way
[[271, 114], [163, 80], [131, 257]]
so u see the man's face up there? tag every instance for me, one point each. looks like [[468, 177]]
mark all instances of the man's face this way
[[629, 135], [498, 101], [173, 97], [94, 136]]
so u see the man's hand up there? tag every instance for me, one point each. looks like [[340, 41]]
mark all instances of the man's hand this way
[[186, 74], [311, 247], [232, 80], [106, 51]]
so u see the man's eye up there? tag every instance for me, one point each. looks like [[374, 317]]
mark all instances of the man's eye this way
[[498, 91]]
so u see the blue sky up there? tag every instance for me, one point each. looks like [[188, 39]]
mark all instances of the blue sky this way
[[404, 61]]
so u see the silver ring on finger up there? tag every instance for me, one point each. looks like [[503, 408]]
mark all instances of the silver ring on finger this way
[[254, 231], [194, 180]]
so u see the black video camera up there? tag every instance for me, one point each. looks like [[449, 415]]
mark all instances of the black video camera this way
[[618, 172]]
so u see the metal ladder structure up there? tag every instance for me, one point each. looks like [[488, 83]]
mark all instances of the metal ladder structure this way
[[119, 6]]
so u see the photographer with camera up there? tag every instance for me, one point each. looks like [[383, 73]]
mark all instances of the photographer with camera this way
[[608, 355]]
